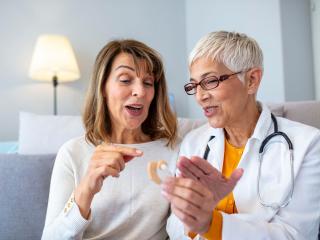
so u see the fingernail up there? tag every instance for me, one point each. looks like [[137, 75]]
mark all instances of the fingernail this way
[[139, 151]]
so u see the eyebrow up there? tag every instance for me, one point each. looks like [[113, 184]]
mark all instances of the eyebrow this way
[[203, 76], [125, 66]]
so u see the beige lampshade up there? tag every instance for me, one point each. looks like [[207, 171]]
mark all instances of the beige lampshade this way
[[53, 56]]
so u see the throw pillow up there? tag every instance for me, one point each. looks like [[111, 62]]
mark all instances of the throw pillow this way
[[45, 134]]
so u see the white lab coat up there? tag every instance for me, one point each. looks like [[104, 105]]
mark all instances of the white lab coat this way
[[298, 220]]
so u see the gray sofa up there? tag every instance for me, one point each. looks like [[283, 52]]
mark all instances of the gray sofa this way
[[25, 180], [24, 186]]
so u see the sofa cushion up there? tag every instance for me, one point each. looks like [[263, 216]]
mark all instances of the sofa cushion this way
[[276, 108], [307, 112], [24, 184], [45, 134]]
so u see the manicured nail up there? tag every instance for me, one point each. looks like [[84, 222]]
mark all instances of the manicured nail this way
[[139, 151]]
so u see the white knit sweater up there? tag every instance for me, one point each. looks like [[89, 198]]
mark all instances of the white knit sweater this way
[[128, 207]]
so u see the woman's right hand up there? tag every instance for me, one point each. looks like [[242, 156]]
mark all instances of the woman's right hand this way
[[107, 160]]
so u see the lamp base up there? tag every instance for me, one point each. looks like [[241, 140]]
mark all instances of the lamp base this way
[[55, 84]]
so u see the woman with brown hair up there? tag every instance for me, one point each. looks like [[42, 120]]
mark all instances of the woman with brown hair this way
[[128, 123]]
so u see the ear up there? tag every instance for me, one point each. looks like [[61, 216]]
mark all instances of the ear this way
[[253, 79]]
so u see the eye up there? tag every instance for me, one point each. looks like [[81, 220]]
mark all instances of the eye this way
[[211, 81], [148, 82], [125, 81]]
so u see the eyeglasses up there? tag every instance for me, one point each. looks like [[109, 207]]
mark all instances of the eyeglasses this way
[[207, 83]]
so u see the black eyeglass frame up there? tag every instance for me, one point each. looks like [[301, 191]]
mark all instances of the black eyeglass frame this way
[[202, 82]]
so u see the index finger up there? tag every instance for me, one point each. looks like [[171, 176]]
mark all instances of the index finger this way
[[203, 165], [127, 151], [171, 183], [188, 169]]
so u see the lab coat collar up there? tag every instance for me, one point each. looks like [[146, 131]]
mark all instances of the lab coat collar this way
[[216, 145], [263, 125]]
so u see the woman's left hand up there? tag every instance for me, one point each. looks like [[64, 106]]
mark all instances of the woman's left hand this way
[[199, 169], [195, 193]]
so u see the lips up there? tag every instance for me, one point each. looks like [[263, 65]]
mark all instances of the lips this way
[[134, 109], [210, 111]]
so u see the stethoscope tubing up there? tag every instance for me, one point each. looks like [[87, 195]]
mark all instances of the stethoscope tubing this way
[[276, 132], [274, 205]]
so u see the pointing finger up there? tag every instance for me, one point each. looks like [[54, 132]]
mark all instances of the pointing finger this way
[[203, 165], [127, 151]]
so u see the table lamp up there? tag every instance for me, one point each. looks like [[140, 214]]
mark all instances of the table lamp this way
[[54, 60]]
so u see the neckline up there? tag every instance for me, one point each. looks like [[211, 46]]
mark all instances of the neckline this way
[[229, 145]]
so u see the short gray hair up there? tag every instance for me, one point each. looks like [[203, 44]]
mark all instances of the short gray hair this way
[[236, 51]]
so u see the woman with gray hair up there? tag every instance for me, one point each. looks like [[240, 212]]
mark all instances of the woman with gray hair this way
[[246, 174]]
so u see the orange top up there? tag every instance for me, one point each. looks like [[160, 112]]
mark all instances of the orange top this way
[[232, 156]]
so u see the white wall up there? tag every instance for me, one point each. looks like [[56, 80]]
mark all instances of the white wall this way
[[88, 25], [315, 23], [276, 30], [171, 27], [297, 49]]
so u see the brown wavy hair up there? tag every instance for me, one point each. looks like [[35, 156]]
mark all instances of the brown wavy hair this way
[[161, 121]]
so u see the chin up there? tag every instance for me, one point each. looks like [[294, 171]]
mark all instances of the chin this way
[[134, 123], [216, 123]]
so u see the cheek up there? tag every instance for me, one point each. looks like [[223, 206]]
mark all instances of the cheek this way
[[232, 104], [234, 93], [114, 102], [117, 95]]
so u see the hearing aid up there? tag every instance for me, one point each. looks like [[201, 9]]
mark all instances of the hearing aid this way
[[158, 170]]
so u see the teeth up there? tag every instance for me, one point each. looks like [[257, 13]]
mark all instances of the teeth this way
[[209, 109], [134, 107]]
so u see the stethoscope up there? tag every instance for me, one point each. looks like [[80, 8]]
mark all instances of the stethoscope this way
[[285, 202], [288, 198]]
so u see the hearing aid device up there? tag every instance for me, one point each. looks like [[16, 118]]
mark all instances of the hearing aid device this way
[[158, 170]]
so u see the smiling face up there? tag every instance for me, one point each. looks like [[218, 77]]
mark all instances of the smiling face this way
[[129, 91], [228, 103]]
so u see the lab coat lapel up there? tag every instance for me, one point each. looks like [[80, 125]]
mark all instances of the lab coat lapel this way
[[245, 192], [216, 146]]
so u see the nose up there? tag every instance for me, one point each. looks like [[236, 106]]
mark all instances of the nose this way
[[138, 89], [201, 94]]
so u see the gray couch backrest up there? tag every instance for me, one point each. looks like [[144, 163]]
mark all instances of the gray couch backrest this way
[[307, 112]]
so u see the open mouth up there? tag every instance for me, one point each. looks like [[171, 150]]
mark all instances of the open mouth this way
[[134, 109], [209, 111]]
